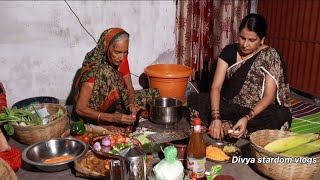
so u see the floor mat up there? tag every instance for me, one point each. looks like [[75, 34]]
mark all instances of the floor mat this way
[[306, 117]]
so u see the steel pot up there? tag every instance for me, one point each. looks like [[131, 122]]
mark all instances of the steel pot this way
[[132, 164], [165, 111]]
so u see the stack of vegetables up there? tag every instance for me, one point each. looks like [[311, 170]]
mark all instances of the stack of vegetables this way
[[17, 117], [78, 130], [296, 145]]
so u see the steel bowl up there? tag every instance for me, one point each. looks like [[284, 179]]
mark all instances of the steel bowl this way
[[165, 111], [36, 154]]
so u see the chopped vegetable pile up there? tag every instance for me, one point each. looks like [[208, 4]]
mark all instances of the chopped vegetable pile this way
[[113, 144]]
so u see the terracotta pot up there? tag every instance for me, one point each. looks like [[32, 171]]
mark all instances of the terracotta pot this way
[[170, 79]]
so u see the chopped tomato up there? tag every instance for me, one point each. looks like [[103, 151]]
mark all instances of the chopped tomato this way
[[121, 140]]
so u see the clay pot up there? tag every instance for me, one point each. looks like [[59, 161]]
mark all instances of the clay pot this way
[[170, 79]]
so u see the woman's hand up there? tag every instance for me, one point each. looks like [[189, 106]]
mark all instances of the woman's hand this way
[[216, 129], [124, 119], [226, 127], [239, 128]]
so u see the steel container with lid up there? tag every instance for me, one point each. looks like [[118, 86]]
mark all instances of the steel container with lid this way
[[133, 164]]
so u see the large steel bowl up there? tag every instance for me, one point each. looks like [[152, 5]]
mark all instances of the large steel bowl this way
[[165, 111], [35, 154]]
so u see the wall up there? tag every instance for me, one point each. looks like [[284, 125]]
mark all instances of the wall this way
[[43, 44], [297, 37]]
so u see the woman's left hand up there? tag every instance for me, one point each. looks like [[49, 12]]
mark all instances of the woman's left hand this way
[[239, 128]]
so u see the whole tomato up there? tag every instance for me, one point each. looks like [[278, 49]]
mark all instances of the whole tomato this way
[[79, 137], [86, 139]]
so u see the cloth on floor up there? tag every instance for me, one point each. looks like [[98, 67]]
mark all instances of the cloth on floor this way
[[12, 157], [306, 117]]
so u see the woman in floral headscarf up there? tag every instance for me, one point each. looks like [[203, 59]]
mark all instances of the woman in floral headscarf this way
[[104, 91]]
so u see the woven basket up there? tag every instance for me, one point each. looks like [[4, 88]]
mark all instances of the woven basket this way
[[6, 171], [298, 171], [89, 166], [92, 167], [53, 129]]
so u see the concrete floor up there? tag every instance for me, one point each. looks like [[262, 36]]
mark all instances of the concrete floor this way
[[237, 170]]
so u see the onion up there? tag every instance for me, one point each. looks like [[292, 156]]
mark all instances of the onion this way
[[105, 149], [97, 146], [106, 141]]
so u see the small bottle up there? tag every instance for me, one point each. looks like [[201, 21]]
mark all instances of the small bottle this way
[[204, 81], [196, 153]]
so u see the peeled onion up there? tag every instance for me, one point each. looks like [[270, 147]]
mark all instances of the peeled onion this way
[[106, 141], [97, 146], [105, 149]]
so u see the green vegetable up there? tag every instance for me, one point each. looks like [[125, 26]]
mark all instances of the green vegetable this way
[[114, 152], [59, 113], [120, 146], [78, 128], [15, 116], [9, 129], [304, 149], [283, 144], [147, 145], [214, 171], [117, 148]]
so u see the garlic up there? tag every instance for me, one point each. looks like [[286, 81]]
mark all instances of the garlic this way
[[231, 131], [22, 124]]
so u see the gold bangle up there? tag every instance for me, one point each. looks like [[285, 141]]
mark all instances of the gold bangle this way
[[99, 116], [215, 110], [215, 118]]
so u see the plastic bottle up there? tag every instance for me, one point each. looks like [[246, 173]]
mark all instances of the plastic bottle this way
[[196, 153], [204, 81]]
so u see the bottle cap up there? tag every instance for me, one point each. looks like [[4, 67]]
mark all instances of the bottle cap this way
[[196, 121]]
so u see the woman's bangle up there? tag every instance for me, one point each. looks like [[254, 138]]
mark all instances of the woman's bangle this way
[[250, 115], [99, 116], [216, 118], [215, 111]]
